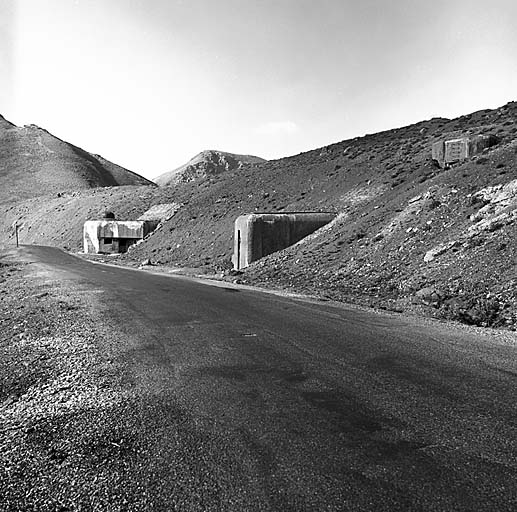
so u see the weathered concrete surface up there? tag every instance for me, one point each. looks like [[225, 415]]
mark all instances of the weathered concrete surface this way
[[120, 234], [438, 152], [160, 212], [260, 234], [447, 152]]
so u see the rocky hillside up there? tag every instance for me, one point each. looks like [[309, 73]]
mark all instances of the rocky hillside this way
[[33, 162], [410, 236], [206, 163]]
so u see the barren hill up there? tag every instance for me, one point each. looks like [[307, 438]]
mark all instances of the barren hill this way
[[33, 162], [409, 236], [206, 163]]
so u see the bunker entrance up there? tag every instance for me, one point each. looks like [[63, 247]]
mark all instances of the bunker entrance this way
[[238, 248]]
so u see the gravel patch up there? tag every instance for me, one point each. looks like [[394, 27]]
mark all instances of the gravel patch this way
[[58, 378]]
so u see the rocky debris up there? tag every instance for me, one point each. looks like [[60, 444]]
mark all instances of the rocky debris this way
[[496, 200], [430, 296], [493, 223], [499, 209], [233, 272], [361, 194], [54, 382], [436, 251]]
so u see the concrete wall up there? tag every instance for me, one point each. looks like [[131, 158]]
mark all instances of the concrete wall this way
[[438, 152], [259, 234], [122, 234], [456, 150], [160, 212]]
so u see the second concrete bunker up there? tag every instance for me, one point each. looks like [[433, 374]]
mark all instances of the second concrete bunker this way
[[259, 234]]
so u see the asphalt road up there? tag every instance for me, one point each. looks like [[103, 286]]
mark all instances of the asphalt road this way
[[253, 401]]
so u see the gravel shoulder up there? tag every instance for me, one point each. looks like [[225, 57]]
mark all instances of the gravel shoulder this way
[[63, 436]]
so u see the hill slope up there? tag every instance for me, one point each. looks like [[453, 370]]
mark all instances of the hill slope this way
[[34, 162], [206, 163], [397, 208], [410, 236]]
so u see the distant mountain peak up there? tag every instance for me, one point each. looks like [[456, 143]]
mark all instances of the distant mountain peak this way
[[208, 162]]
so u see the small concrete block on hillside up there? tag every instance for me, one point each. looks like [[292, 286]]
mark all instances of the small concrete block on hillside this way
[[160, 212], [448, 152]]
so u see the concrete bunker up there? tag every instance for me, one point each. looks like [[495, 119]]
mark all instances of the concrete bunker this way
[[258, 234], [448, 152], [108, 236], [111, 236]]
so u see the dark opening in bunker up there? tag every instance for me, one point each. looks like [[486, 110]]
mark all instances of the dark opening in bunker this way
[[238, 245]]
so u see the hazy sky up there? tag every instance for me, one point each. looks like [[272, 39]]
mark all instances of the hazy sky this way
[[150, 83]]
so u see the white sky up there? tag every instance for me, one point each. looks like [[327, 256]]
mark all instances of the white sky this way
[[150, 83]]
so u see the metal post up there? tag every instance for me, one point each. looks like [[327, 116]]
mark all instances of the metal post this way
[[16, 231]]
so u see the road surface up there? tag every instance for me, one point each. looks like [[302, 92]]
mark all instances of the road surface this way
[[254, 401]]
